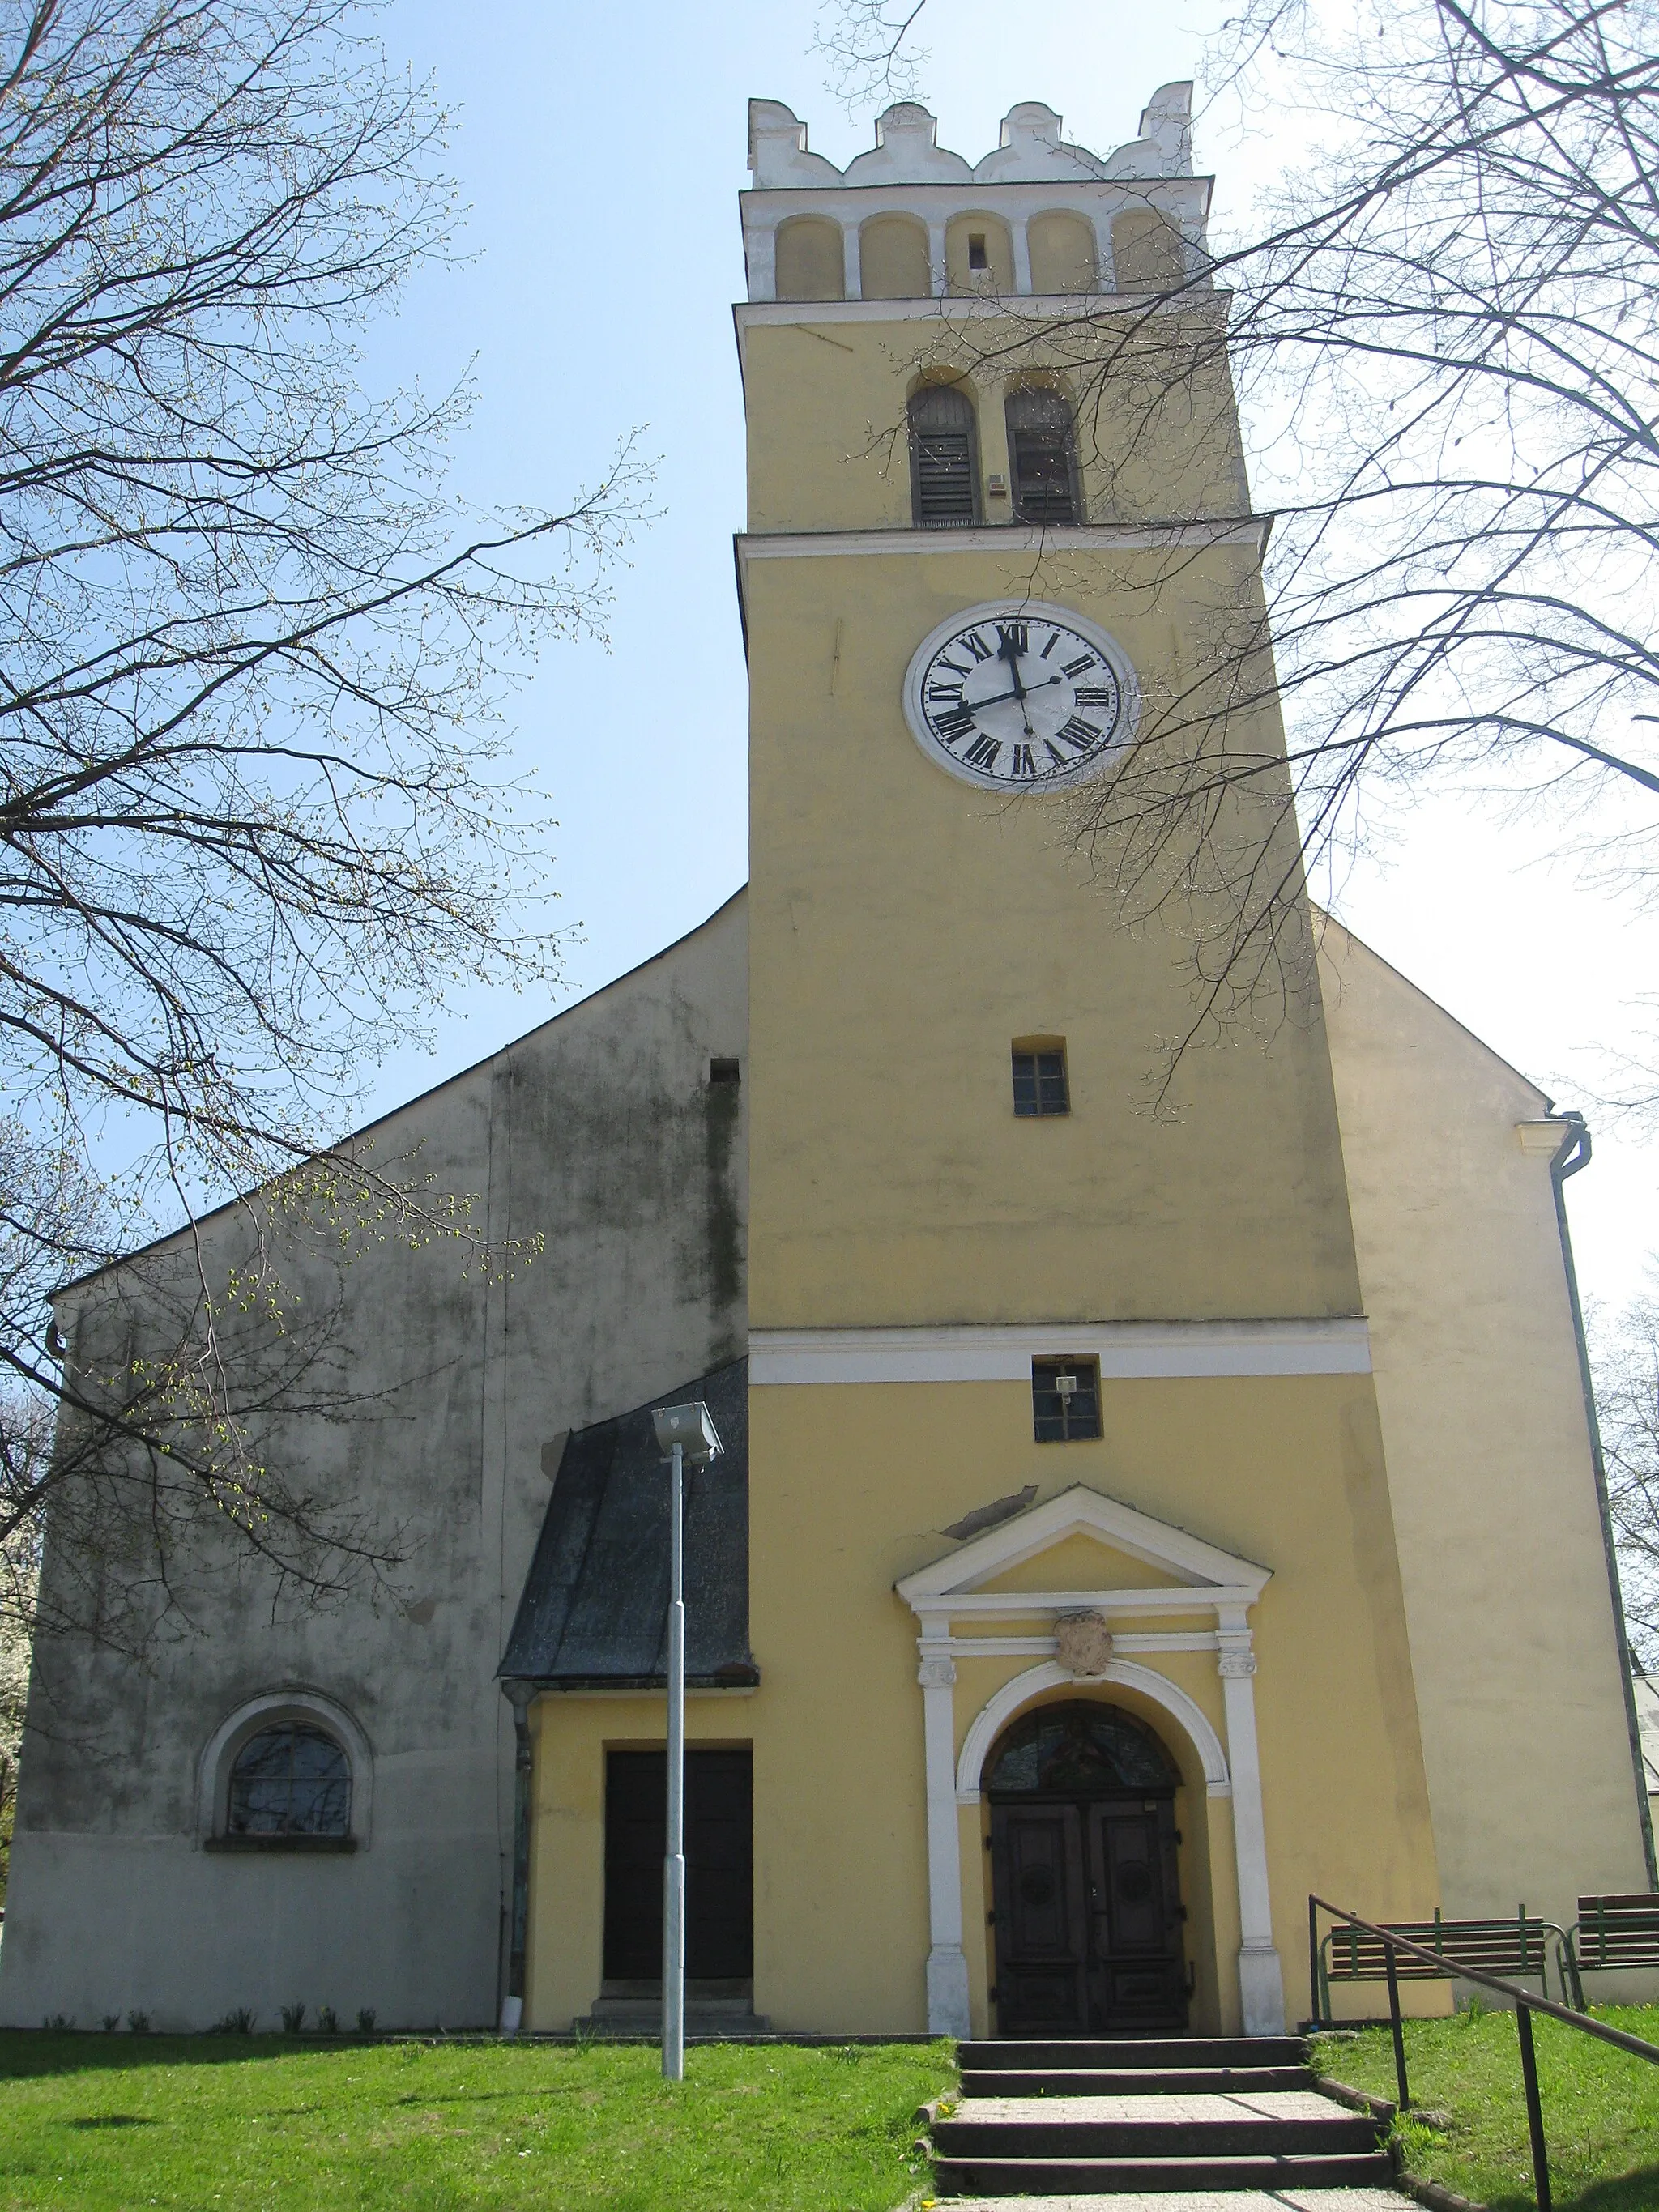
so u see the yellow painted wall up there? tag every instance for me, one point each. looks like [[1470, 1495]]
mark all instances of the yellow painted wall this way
[[848, 1486], [906, 926], [825, 407], [1505, 1581]]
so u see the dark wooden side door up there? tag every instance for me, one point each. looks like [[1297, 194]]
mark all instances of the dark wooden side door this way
[[1136, 1964], [1042, 1907], [1088, 1918], [720, 1859]]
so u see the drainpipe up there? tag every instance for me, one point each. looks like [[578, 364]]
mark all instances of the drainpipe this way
[[519, 1694], [1573, 1153]]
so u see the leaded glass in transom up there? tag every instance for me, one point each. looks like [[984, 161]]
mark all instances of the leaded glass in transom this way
[[1080, 1751]]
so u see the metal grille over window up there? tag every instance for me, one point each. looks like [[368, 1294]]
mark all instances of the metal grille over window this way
[[1040, 1083], [942, 457], [1043, 451], [1064, 1400], [290, 1780]]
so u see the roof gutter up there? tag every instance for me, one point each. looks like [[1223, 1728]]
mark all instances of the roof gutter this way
[[1572, 1154]]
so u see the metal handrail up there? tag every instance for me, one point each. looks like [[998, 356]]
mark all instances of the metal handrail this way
[[1525, 2005]]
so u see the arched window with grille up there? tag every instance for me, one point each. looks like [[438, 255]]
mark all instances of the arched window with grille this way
[[292, 1778], [1043, 456], [944, 470]]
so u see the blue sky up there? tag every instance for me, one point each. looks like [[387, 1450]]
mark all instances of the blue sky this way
[[601, 151]]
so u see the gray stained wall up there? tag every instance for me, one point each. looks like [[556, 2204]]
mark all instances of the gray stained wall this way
[[601, 1133]]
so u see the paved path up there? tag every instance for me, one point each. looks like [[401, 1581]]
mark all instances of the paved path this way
[[1200, 2200]]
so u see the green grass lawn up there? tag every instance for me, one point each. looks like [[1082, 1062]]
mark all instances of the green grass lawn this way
[[229, 2123], [1601, 2107]]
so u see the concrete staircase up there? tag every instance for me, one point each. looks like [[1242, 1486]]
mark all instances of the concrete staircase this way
[[1093, 2123]]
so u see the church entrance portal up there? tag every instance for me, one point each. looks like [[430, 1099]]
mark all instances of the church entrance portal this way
[[1088, 1912]]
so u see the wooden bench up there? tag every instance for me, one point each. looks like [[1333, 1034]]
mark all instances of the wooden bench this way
[[1519, 1945], [1613, 1932]]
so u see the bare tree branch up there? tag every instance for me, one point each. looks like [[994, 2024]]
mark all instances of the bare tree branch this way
[[253, 659]]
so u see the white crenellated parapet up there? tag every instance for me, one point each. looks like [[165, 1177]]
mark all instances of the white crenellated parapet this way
[[1034, 171]]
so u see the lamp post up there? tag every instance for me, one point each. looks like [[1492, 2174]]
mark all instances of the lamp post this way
[[683, 1432]]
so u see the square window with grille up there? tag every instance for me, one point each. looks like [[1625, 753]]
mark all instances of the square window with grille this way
[[1064, 1400], [1040, 1084]]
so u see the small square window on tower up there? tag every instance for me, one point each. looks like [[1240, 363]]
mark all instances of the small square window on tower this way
[[1040, 1084], [1064, 1400], [977, 256]]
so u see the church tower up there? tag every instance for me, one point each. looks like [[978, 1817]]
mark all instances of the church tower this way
[[984, 1280]]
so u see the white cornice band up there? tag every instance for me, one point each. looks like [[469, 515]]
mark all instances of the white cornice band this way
[[1128, 1351], [1008, 539]]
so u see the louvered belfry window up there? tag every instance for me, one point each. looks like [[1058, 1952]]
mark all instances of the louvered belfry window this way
[[942, 472], [1043, 451]]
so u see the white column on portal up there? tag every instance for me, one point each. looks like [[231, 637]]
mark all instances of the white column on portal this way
[[936, 270], [947, 1965], [1261, 1983]]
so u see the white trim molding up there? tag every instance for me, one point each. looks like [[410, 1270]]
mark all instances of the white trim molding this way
[[1205, 1579], [292, 1703], [1012, 540], [1208, 1575], [997, 1711], [1128, 1351]]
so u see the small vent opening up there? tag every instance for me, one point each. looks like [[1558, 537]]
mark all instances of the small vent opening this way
[[724, 1070]]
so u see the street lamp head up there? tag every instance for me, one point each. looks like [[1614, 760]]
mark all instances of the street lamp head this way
[[691, 1427]]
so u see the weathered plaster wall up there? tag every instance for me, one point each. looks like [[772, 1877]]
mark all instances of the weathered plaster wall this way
[[1494, 1505], [600, 1133]]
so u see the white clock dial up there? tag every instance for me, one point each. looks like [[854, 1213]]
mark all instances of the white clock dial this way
[[1021, 696]]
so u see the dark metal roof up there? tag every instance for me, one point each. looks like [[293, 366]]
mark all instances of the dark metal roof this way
[[594, 1610]]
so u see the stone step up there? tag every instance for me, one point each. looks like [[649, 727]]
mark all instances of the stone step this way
[[1129, 2081], [1186, 2053], [1117, 2178], [642, 2016], [1344, 2197], [1072, 2132]]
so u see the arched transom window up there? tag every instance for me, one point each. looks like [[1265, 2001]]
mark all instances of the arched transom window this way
[[1081, 1750], [293, 1778]]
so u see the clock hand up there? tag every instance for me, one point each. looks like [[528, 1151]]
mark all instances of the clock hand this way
[[1007, 652], [998, 698]]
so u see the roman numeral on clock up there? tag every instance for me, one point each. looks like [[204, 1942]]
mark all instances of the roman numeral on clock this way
[[1023, 764], [954, 723], [1076, 667], [1014, 636], [976, 644], [946, 694], [1094, 695], [982, 753], [1084, 735]]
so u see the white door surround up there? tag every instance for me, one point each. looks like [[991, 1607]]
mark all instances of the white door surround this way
[[1212, 1581]]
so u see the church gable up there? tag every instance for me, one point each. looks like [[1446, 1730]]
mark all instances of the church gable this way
[[1068, 1532], [1081, 1561]]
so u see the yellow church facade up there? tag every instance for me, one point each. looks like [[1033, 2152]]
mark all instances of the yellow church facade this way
[[1136, 1514], [1331, 1539]]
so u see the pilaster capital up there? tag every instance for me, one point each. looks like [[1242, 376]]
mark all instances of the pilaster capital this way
[[1236, 1666], [936, 1672]]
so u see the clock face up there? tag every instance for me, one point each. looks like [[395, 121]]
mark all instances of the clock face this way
[[1021, 696]]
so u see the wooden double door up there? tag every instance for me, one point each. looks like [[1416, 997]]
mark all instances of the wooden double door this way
[[1088, 1916]]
